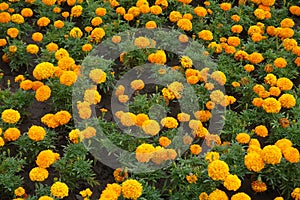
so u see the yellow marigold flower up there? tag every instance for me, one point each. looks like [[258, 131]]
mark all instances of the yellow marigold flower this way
[[296, 193], [76, 11], [218, 170], [271, 105], [97, 34], [271, 154], [128, 119], [36, 133], [111, 192], [284, 83], [254, 161], [17, 18], [200, 11], [144, 152], [86, 193], [280, 62], [183, 117], [96, 21], [164, 141], [74, 135], [169, 122], [1, 142], [37, 37], [283, 144], [225, 6], [32, 48], [75, 32], [3, 42], [175, 16], [186, 61], [20, 191], [38, 174], [46, 158], [66, 63], [68, 78], [270, 79], [240, 196], [43, 93], [45, 198], [49, 2], [233, 41], [59, 189], [232, 182], [287, 23], [279, 198], [291, 154], [218, 195], [236, 28], [142, 42], [97, 75], [135, 11], [4, 6], [52, 47], [185, 1], [192, 178], [12, 134], [258, 186], [131, 189], [43, 70], [289, 44], [205, 35], [10, 116], [217, 97], [92, 96], [155, 9], [140, 118], [219, 77], [137, 84], [120, 10], [185, 24], [12, 32], [151, 127], [203, 196], [287, 101]]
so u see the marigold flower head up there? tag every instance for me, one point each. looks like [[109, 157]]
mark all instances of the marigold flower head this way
[[50, 121], [132, 189], [254, 161], [151, 127], [120, 10], [62, 117], [5, 17], [20, 191], [112, 192], [43, 21], [217, 96], [46, 158], [12, 32], [195, 149], [17, 18], [38, 174], [97, 34], [240, 196], [284, 84], [43, 70], [218, 195], [10, 116], [36, 133], [287, 101], [76, 11], [159, 57], [225, 6], [270, 79], [283, 144], [92, 96], [243, 138], [271, 105], [143, 152], [232, 182], [68, 78], [258, 186], [185, 24], [218, 170], [100, 11], [271, 154], [291, 154], [289, 44], [200, 11], [86, 47], [295, 10], [128, 119], [59, 189]]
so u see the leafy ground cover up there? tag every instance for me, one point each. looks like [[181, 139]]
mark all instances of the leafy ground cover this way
[[158, 99]]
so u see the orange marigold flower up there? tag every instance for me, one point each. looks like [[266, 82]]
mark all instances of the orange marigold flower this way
[[283, 144], [144, 152], [218, 170], [185, 24], [291, 154], [43, 21], [271, 154], [36, 85], [258, 186], [43, 93], [132, 189], [239, 196], [46, 158], [26, 85], [280, 62], [12, 134], [218, 194], [169, 122], [195, 149], [43, 70], [255, 58], [243, 138], [128, 119], [137, 84], [232, 182], [150, 25], [12, 32], [120, 175], [164, 141], [205, 35], [52, 47], [100, 11], [76, 11], [287, 101], [5, 17], [151, 127], [10, 116], [284, 84], [62, 117], [295, 10], [37, 37], [68, 78], [59, 189], [36, 133], [98, 76], [254, 162]]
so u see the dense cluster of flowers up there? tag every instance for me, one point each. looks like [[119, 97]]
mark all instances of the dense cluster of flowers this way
[[253, 92]]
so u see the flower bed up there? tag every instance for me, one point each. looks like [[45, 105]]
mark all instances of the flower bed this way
[[164, 99]]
